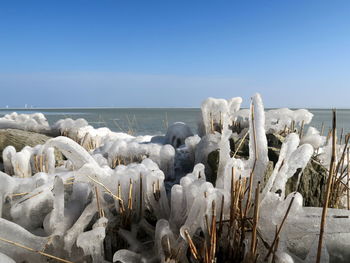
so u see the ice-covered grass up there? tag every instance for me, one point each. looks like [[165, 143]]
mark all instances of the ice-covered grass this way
[[176, 198]]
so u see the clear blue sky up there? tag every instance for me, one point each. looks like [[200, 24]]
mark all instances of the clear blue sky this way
[[174, 53]]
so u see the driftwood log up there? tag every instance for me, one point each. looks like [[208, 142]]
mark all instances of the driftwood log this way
[[19, 139]]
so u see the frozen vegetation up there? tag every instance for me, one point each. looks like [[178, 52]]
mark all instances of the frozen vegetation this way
[[181, 197]]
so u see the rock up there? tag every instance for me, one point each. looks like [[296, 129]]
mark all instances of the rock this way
[[274, 140], [232, 146], [208, 144], [243, 149], [273, 154], [19, 139], [213, 162], [312, 184], [269, 169]]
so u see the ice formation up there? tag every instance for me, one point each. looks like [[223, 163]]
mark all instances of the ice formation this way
[[179, 198], [177, 134], [31, 122]]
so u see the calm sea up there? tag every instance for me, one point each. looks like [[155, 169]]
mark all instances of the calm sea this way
[[142, 121]]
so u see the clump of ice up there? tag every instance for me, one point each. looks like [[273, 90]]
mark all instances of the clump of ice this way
[[35, 122], [191, 145], [6, 259], [68, 126], [313, 137], [279, 119], [92, 241], [177, 134], [215, 111], [7, 156], [258, 158]]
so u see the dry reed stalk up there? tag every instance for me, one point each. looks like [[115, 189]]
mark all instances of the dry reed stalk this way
[[207, 223], [328, 190], [322, 129], [292, 126], [156, 190], [341, 135], [130, 196], [169, 249], [280, 228], [242, 226], [34, 195], [70, 179], [348, 179], [232, 196], [240, 143], [328, 136], [141, 195], [106, 189], [114, 163], [118, 126], [166, 122], [301, 129], [213, 234], [221, 215], [46, 165], [41, 163], [340, 162], [35, 163], [19, 194], [267, 246], [193, 248], [211, 123], [121, 204], [49, 241], [284, 130], [337, 186], [256, 157], [98, 202], [255, 221], [275, 250], [34, 250], [206, 217]]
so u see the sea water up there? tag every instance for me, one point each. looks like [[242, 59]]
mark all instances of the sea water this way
[[154, 121]]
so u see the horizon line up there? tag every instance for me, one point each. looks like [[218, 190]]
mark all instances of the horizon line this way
[[111, 107]]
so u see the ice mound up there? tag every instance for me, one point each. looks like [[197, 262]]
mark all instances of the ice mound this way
[[177, 134], [215, 111], [30, 122], [280, 119], [215, 196]]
